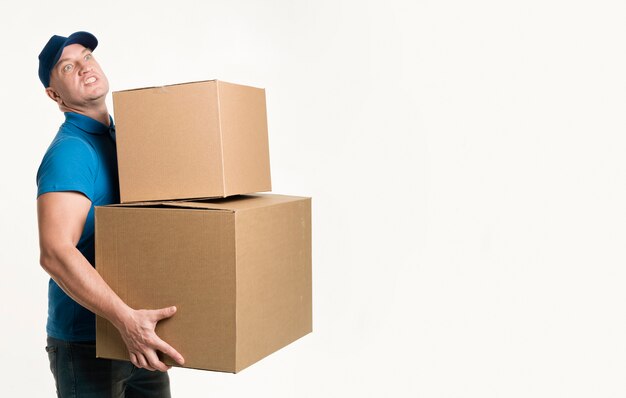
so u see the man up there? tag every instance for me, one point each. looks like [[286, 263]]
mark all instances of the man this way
[[78, 172]]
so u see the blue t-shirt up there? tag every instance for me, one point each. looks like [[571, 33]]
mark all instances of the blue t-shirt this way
[[82, 158]]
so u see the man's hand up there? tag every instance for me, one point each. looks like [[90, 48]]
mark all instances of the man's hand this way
[[137, 331]]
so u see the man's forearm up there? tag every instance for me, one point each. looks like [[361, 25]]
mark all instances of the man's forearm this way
[[80, 280], [75, 275]]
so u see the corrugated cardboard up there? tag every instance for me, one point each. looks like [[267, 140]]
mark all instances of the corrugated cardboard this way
[[237, 269], [194, 140]]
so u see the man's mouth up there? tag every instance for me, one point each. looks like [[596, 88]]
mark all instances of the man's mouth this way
[[90, 80]]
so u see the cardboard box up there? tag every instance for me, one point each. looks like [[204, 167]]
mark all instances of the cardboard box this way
[[237, 269], [194, 140]]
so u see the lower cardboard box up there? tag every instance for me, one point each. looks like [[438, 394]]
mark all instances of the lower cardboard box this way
[[237, 269]]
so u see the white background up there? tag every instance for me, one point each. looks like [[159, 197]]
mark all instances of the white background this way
[[467, 163]]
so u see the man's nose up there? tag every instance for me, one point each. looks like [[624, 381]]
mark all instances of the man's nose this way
[[83, 68]]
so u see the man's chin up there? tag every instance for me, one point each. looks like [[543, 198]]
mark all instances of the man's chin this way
[[97, 94]]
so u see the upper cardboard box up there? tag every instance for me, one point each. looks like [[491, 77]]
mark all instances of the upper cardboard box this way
[[204, 139]]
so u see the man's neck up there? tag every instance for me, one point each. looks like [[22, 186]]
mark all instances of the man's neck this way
[[100, 114]]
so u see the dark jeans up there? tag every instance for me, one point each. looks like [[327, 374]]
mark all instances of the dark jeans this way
[[78, 373]]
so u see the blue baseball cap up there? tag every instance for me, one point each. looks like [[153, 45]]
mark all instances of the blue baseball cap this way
[[51, 53]]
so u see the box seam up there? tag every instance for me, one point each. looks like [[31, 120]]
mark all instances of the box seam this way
[[236, 367], [219, 126]]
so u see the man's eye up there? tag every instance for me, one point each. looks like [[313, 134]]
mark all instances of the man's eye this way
[[87, 57], [67, 68]]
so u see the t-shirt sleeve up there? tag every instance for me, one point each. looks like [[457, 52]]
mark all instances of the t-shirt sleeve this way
[[69, 165]]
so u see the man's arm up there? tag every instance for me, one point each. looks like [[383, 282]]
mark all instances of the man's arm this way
[[61, 217]]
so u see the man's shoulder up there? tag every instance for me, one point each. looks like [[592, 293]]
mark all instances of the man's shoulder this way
[[67, 144], [68, 151]]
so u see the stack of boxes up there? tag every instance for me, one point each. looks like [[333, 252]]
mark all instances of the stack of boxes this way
[[189, 233]]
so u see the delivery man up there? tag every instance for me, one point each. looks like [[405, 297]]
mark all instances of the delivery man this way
[[78, 172]]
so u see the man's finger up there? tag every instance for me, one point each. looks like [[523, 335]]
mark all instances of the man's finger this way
[[154, 361], [164, 313], [133, 359], [169, 351], [143, 362]]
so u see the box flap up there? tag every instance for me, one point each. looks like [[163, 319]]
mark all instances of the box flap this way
[[176, 84], [240, 202], [166, 85], [232, 203], [167, 204]]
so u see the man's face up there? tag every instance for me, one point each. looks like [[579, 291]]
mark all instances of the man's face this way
[[77, 80]]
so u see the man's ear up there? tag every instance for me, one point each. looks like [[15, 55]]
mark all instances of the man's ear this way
[[54, 96]]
